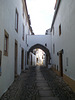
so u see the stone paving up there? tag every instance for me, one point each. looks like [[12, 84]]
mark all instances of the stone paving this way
[[38, 83], [59, 88], [45, 92], [23, 88]]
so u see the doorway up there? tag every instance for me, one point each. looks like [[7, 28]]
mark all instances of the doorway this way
[[25, 58], [61, 64], [16, 54], [22, 60], [31, 59]]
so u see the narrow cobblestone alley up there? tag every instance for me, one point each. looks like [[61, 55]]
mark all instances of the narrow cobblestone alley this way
[[39, 83], [45, 92], [59, 88], [37, 52]]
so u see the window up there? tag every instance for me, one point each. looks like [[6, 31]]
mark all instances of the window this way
[[0, 61], [16, 21], [37, 60], [66, 61], [53, 30], [25, 58], [59, 29], [53, 48], [28, 32], [6, 43], [46, 44], [23, 9], [23, 33]]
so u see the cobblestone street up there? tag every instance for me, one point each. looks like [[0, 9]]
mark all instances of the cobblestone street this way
[[39, 83], [23, 88], [59, 88]]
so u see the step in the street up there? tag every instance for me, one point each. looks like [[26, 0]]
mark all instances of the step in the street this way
[[49, 98], [44, 88], [42, 84], [45, 93]]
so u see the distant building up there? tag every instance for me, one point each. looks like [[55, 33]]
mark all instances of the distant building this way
[[32, 59]]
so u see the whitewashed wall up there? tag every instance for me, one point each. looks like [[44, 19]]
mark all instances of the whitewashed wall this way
[[33, 59], [7, 22], [65, 17], [39, 39]]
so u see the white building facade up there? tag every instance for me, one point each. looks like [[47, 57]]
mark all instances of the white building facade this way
[[14, 27], [16, 40], [32, 59], [44, 40], [63, 40]]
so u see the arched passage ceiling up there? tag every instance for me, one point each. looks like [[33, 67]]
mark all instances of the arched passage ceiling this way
[[40, 47]]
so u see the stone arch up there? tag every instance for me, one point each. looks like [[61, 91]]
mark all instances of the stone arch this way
[[48, 56]]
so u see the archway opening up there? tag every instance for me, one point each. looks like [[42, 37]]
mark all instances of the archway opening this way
[[38, 55]]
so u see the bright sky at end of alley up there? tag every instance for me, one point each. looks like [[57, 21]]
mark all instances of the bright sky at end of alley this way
[[41, 14]]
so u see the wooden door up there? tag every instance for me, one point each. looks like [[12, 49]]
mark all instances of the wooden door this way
[[31, 59], [61, 64], [16, 58], [25, 58], [22, 60]]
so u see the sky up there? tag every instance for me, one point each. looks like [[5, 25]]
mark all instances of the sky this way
[[41, 14]]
